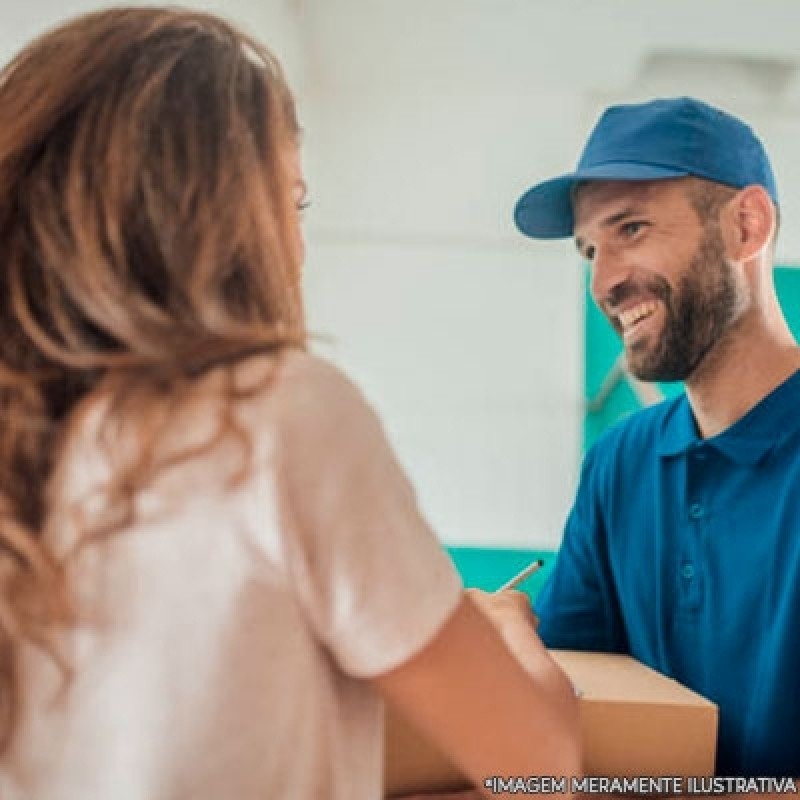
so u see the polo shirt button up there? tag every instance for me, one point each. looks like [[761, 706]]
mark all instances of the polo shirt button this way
[[688, 571], [696, 511]]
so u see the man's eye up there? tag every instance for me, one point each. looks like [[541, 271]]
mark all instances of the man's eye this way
[[632, 228]]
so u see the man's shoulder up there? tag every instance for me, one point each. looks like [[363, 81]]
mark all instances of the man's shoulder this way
[[628, 453], [638, 432]]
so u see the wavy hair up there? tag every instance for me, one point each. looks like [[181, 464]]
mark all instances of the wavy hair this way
[[145, 221]]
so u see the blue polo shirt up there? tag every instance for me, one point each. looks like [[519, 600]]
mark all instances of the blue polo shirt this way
[[685, 553]]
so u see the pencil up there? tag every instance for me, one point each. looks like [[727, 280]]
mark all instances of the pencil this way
[[521, 576]]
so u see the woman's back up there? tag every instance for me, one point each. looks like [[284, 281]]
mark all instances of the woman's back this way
[[219, 618], [225, 635]]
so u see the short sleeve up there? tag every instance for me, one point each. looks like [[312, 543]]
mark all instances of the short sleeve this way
[[578, 607], [372, 577]]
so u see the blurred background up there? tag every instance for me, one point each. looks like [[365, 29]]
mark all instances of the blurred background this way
[[424, 120]]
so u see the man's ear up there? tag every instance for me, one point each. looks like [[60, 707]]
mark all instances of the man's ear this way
[[749, 223]]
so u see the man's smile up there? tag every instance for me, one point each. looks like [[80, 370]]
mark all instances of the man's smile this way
[[631, 320]]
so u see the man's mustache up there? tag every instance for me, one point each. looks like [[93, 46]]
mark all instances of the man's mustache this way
[[628, 290]]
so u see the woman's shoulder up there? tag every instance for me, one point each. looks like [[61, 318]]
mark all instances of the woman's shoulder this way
[[298, 379], [301, 370], [300, 390]]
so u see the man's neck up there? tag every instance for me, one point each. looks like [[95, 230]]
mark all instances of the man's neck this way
[[740, 372]]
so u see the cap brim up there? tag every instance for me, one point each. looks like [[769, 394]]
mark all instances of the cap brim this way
[[545, 210]]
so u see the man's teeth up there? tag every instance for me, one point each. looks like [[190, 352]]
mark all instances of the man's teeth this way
[[629, 318]]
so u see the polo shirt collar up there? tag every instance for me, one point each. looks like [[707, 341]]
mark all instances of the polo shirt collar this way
[[749, 439]]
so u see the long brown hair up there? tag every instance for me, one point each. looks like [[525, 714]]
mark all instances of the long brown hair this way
[[144, 237]]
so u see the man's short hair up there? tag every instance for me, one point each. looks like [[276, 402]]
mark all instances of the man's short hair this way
[[708, 198]]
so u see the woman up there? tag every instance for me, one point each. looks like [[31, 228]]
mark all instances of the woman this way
[[213, 570]]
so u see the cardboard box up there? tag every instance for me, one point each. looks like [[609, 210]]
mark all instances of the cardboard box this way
[[634, 722]]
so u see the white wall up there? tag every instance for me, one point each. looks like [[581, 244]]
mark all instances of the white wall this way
[[424, 121], [464, 335]]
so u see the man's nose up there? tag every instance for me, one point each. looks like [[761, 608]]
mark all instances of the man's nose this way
[[608, 270]]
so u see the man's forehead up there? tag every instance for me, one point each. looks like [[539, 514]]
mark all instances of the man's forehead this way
[[591, 199], [593, 192]]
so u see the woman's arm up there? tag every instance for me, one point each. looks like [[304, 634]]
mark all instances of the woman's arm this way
[[492, 712]]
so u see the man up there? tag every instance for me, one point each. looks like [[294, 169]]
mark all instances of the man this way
[[683, 546]]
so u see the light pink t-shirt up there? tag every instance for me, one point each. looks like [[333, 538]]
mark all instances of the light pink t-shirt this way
[[227, 634]]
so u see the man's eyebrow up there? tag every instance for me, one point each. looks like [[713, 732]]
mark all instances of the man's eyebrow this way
[[619, 216], [610, 221]]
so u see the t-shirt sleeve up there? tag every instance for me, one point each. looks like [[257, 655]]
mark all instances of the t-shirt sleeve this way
[[372, 577], [578, 607]]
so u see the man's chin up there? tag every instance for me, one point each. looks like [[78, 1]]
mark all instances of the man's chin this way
[[646, 361], [644, 369], [639, 359], [650, 373]]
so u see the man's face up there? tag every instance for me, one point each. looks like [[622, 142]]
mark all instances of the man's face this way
[[658, 274]]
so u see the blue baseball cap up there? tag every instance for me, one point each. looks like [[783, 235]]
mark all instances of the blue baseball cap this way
[[665, 138]]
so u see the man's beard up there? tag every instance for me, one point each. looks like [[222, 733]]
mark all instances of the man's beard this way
[[697, 314]]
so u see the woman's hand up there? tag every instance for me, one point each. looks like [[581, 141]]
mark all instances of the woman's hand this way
[[511, 613], [487, 693], [504, 607]]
